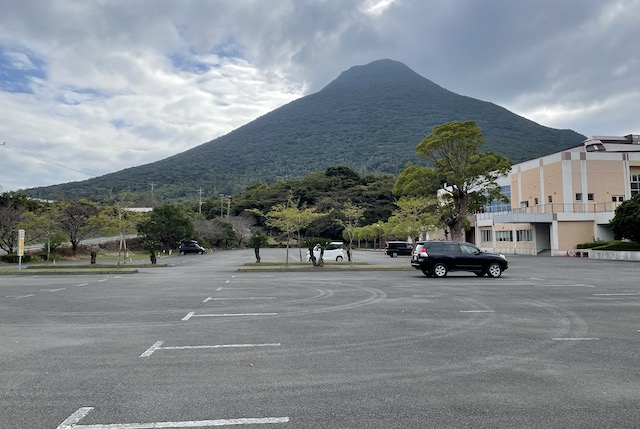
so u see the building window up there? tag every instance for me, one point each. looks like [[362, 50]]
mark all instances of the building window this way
[[486, 235], [524, 235], [590, 197], [617, 198], [498, 205], [504, 235], [579, 197], [550, 199], [635, 184], [535, 201]]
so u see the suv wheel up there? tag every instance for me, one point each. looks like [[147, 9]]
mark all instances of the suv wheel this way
[[439, 270], [182, 252], [494, 269], [338, 258]]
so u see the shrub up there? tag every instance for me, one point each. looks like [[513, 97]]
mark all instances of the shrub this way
[[615, 245], [14, 259]]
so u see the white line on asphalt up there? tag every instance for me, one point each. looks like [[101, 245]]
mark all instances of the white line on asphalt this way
[[616, 294], [21, 296], [245, 288], [157, 345], [102, 280], [565, 285], [117, 277], [219, 289], [52, 290], [236, 299], [228, 281], [74, 418], [477, 311], [576, 339], [70, 423], [152, 349], [82, 284], [192, 314]]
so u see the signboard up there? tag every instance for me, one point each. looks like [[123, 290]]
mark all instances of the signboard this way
[[21, 242]]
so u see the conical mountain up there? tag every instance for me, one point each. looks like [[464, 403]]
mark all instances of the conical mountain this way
[[370, 119]]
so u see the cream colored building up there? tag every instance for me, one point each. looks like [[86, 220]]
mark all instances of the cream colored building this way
[[562, 199]]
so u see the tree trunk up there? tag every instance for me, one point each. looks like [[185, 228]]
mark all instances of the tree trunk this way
[[257, 252], [461, 204]]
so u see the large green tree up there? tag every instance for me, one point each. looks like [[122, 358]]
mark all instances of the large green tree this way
[[78, 220], [164, 227], [457, 165], [626, 221]]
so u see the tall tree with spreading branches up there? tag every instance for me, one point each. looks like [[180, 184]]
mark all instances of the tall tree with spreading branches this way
[[457, 165]]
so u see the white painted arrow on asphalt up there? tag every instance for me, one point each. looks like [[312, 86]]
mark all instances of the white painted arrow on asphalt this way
[[73, 419]]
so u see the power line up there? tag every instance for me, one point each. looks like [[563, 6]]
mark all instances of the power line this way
[[44, 159]]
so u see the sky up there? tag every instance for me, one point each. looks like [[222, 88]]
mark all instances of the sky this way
[[92, 87]]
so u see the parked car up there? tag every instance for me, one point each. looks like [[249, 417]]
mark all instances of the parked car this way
[[398, 248], [437, 258], [190, 246], [333, 252]]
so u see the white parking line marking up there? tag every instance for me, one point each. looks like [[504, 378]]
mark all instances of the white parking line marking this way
[[616, 294], [219, 289], [82, 284], [192, 314], [21, 296], [565, 285], [52, 290], [477, 311], [117, 277], [152, 349], [245, 288], [156, 346], [236, 299], [74, 418], [71, 422], [102, 280], [576, 339], [228, 281]]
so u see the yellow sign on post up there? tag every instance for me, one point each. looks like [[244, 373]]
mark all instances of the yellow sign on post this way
[[21, 242], [20, 247]]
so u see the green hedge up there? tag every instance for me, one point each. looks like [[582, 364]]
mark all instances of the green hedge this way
[[615, 245], [13, 258]]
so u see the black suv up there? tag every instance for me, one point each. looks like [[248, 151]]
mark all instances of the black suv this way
[[191, 246], [395, 248], [437, 258]]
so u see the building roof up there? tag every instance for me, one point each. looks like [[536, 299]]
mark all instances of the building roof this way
[[628, 143]]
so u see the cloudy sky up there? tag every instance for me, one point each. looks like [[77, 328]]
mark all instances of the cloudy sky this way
[[92, 87]]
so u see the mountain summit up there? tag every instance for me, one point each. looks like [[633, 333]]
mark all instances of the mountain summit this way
[[379, 74], [370, 118]]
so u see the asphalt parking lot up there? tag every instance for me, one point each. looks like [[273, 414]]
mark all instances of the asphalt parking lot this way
[[553, 343]]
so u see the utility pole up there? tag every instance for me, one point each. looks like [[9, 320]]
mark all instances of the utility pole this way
[[200, 201], [152, 185]]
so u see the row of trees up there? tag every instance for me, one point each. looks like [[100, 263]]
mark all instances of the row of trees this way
[[335, 204], [457, 178]]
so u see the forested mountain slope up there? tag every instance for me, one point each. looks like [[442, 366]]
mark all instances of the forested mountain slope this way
[[370, 119]]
